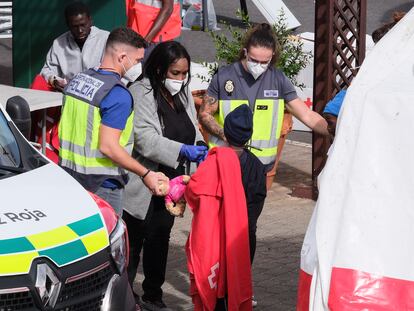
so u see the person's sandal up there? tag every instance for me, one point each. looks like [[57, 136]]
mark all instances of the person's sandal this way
[[254, 302]]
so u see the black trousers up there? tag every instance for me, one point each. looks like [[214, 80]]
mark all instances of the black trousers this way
[[151, 235], [221, 304], [253, 213]]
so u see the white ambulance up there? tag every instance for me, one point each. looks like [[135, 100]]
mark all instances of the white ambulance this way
[[61, 248]]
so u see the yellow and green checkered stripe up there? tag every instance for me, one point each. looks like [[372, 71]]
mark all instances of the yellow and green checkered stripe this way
[[63, 245]]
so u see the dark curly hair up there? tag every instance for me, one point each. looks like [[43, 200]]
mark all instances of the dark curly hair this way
[[76, 8]]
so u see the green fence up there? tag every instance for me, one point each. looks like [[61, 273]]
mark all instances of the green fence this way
[[37, 22]]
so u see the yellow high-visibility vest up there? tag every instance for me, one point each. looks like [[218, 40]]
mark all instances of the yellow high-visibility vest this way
[[267, 125], [80, 123]]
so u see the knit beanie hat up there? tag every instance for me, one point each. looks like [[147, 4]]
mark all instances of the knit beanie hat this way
[[238, 126]]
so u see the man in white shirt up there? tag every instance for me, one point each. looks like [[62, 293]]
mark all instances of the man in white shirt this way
[[80, 48], [76, 50]]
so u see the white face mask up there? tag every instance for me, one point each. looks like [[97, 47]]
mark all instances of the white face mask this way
[[132, 73], [173, 86], [256, 69]]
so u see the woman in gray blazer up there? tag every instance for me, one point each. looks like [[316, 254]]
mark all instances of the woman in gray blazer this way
[[166, 134]]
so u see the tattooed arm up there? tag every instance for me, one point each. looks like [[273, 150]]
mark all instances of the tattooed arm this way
[[206, 117]]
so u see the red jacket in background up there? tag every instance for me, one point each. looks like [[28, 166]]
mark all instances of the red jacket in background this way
[[141, 15], [218, 245]]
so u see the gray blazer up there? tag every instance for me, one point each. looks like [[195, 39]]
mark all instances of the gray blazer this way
[[151, 148]]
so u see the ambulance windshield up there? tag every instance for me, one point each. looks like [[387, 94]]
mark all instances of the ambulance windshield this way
[[16, 154], [9, 149]]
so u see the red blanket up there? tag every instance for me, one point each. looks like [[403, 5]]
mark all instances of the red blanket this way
[[218, 244], [52, 121]]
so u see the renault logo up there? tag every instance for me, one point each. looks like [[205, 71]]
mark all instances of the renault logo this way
[[47, 285]]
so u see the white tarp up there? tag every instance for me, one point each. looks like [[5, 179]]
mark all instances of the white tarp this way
[[363, 220], [36, 99], [271, 9]]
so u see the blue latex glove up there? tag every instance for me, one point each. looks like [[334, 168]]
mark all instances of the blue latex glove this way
[[334, 105], [194, 153]]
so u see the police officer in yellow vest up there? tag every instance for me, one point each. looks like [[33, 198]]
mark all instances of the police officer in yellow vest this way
[[96, 126], [254, 81]]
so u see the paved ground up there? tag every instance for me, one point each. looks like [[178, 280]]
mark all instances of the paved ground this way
[[281, 229]]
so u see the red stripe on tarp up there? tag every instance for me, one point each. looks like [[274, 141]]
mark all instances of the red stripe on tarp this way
[[356, 290], [304, 285]]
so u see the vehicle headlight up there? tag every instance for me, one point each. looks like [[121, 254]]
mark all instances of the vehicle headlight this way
[[119, 246]]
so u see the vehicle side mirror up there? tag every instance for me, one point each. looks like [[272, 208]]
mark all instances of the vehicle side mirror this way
[[19, 111]]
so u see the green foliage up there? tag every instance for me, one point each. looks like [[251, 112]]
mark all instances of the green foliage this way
[[292, 58], [228, 47]]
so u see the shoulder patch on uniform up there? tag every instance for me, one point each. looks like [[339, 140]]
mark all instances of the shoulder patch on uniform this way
[[271, 93], [229, 86]]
